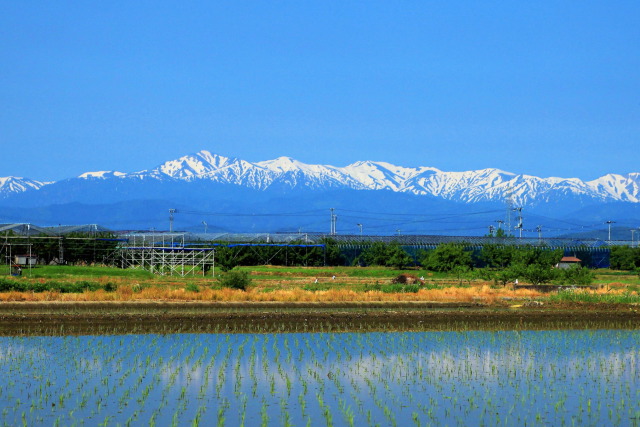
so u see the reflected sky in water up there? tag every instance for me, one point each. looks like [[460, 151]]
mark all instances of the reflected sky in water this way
[[391, 378]]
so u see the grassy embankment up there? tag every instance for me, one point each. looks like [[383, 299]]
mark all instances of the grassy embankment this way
[[296, 284]]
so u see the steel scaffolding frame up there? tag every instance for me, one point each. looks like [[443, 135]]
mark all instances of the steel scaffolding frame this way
[[167, 255], [170, 261]]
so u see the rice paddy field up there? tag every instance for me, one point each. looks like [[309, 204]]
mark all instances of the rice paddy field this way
[[300, 347], [560, 377]]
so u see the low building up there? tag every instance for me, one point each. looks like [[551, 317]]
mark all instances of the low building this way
[[567, 261], [25, 260]]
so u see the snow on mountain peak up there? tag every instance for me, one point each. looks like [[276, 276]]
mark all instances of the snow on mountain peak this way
[[193, 165], [488, 184], [102, 174], [14, 184], [282, 164]]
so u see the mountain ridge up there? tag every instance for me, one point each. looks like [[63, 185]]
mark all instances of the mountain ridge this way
[[286, 174]]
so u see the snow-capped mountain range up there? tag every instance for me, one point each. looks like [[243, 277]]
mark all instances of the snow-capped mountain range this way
[[485, 185], [15, 185]]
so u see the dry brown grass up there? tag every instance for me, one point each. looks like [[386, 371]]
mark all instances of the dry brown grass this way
[[482, 294]]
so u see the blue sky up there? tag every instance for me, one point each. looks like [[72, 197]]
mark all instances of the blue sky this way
[[548, 88]]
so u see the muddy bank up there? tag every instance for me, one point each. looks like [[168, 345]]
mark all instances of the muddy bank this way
[[153, 317]]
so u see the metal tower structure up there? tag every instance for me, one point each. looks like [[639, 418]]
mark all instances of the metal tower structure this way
[[167, 254]]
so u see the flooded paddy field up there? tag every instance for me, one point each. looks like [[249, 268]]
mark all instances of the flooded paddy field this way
[[310, 364], [583, 377]]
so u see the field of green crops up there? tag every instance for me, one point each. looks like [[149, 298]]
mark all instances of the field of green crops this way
[[380, 378]]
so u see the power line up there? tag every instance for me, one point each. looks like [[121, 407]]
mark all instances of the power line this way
[[244, 214]]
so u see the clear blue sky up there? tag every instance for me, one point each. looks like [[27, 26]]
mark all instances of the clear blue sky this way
[[548, 88]]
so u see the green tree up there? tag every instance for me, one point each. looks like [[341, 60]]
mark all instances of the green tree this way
[[384, 254], [536, 274], [535, 265], [333, 253], [446, 257], [537, 256], [376, 254], [227, 258], [624, 258], [398, 257], [506, 276], [576, 275], [496, 256], [463, 272]]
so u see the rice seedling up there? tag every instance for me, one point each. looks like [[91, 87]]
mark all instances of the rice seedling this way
[[335, 378]]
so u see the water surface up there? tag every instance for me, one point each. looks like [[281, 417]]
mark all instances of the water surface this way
[[386, 378]]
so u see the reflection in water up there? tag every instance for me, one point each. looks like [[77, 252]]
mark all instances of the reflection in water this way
[[396, 378]]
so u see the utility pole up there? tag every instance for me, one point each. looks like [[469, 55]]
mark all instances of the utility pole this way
[[539, 230], [633, 230], [334, 220], [360, 225], [60, 250], [509, 197], [205, 226], [609, 223], [519, 226], [491, 228], [171, 212]]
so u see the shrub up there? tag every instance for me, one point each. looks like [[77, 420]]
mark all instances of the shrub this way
[[82, 286], [192, 287], [235, 280], [7, 285], [576, 275], [411, 288]]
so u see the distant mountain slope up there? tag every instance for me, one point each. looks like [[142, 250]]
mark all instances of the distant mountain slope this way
[[15, 185], [218, 182]]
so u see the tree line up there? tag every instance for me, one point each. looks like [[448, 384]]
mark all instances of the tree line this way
[[500, 263]]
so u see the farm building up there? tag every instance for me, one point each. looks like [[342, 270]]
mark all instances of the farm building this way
[[567, 261], [25, 260]]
